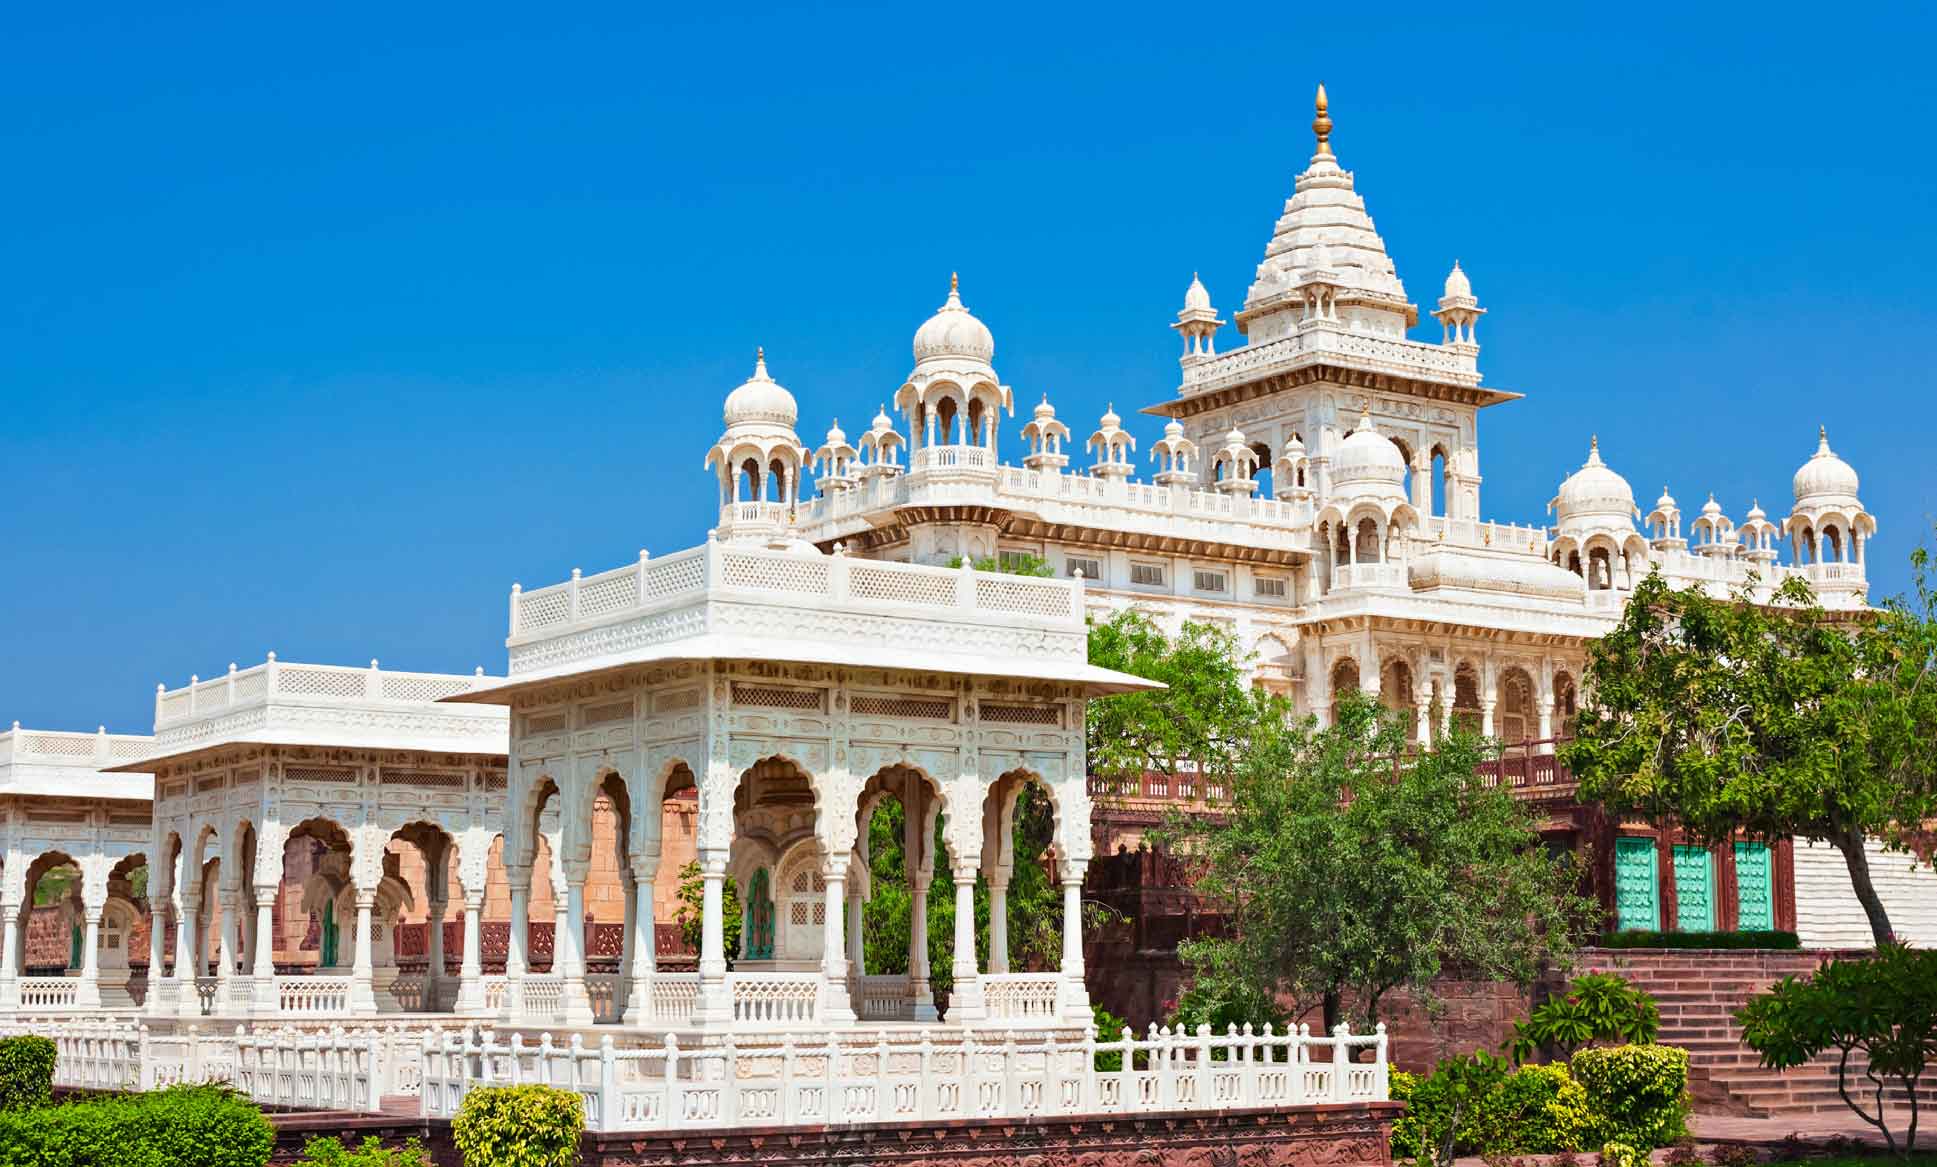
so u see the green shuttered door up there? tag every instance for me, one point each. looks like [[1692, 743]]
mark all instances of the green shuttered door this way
[[1636, 902], [1754, 888], [1694, 889]]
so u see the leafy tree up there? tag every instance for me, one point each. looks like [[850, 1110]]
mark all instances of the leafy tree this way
[[1206, 715], [1595, 1007], [1884, 1007], [1022, 563], [1350, 870], [1773, 720], [692, 903]]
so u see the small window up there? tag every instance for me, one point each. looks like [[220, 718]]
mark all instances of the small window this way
[[1147, 575], [1092, 569], [1271, 587], [1016, 560], [1209, 581]]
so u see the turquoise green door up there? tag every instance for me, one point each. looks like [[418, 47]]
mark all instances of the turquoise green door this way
[[1694, 889], [1754, 888], [1637, 904]]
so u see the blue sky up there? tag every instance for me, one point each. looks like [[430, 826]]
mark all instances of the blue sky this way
[[321, 327]]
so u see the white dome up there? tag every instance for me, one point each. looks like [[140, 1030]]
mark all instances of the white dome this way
[[835, 435], [1173, 429], [761, 399], [953, 331], [1369, 464], [1825, 477], [1666, 502], [1197, 298], [1458, 287], [1044, 410], [1594, 490], [1711, 509]]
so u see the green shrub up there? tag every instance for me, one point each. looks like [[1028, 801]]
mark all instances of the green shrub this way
[[1595, 1007], [182, 1126], [330, 1152], [1647, 939], [519, 1126], [1638, 1093], [1487, 1108], [26, 1072], [1884, 1006], [1622, 1155], [1109, 1027]]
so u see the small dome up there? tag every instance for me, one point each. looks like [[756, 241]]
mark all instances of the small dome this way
[[882, 422], [1368, 464], [1594, 490], [1825, 477], [1756, 513], [1110, 420], [1666, 502], [1294, 445], [1173, 429], [1711, 509], [1458, 287], [761, 399], [835, 436], [1196, 297], [953, 331], [1044, 410]]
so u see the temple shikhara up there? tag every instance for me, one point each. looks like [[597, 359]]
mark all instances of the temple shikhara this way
[[636, 861]]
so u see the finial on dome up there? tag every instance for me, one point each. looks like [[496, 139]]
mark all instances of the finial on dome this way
[[1322, 124], [760, 363], [954, 281], [1365, 407]]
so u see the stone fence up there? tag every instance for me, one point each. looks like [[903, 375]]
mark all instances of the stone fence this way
[[898, 1076]]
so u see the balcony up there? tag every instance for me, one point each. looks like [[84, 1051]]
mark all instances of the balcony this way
[[1370, 577]]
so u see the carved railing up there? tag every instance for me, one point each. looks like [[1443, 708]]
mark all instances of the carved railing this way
[[834, 1078], [310, 1071], [49, 992], [775, 998], [1022, 996], [313, 996]]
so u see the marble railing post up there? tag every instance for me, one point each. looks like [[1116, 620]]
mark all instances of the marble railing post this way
[[516, 961], [965, 1001], [156, 1000], [999, 923], [470, 973], [715, 1006], [363, 972], [188, 1002], [229, 902], [1076, 996], [264, 1001], [837, 1007], [919, 988], [87, 994], [434, 954], [10, 954], [644, 937], [568, 946]]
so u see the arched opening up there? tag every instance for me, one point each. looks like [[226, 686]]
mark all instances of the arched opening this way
[[422, 857], [747, 487], [1263, 473], [1438, 484], [1467, 713], [1566, 705], [946, 412], [1345, 679], [1367, 541], [53, 916], [1832, 545], [1600, 569], [1396, 691], [1516, 715]]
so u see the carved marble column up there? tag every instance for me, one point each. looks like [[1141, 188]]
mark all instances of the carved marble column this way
[[87, 994], [470, 973], [965, 1002], [264, 1000], [156, 999], [836, 1007], [644, 938], [188, 1001], [999, 923], [516, 961], [363, 971], [715, 1006], [568, 946], [1076, 994]]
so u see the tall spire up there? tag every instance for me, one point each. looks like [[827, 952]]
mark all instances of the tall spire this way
[[1322, 123]]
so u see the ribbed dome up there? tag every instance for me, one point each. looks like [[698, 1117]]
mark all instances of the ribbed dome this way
[[1044, 410], [761, 399], [1369, 465], [953, 331], [1458, 287], [1666, 502], [1825, 477], [1594, 490], [1196, 297], [835, 435]]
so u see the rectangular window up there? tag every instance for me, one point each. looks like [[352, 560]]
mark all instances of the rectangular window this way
[[1092, 569], [1271, 587], [1637, 903], [1754, 888], [1208, 581], [1147, 575], [1014, 560], [1694, 889]]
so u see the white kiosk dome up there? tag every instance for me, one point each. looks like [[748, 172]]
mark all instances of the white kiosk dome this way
[[953, 331], [1368, 464], [1594, 491], [761, 399], [1825, 477]]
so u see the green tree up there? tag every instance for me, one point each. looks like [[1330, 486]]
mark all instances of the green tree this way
[[692, 902], [1351, 868], [1771, 719], [1010, 563], [1206, 714]]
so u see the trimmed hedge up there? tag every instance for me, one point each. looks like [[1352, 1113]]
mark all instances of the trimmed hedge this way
[[182, 1126], [519, 1126], [26, 1072], [1644, 939], [1637, 1093]]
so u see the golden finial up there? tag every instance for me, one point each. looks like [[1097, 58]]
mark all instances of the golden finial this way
[[1593, 443], [954, 283], [1322, 124]]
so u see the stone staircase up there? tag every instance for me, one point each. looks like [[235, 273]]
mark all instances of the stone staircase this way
[[1698, 991]]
